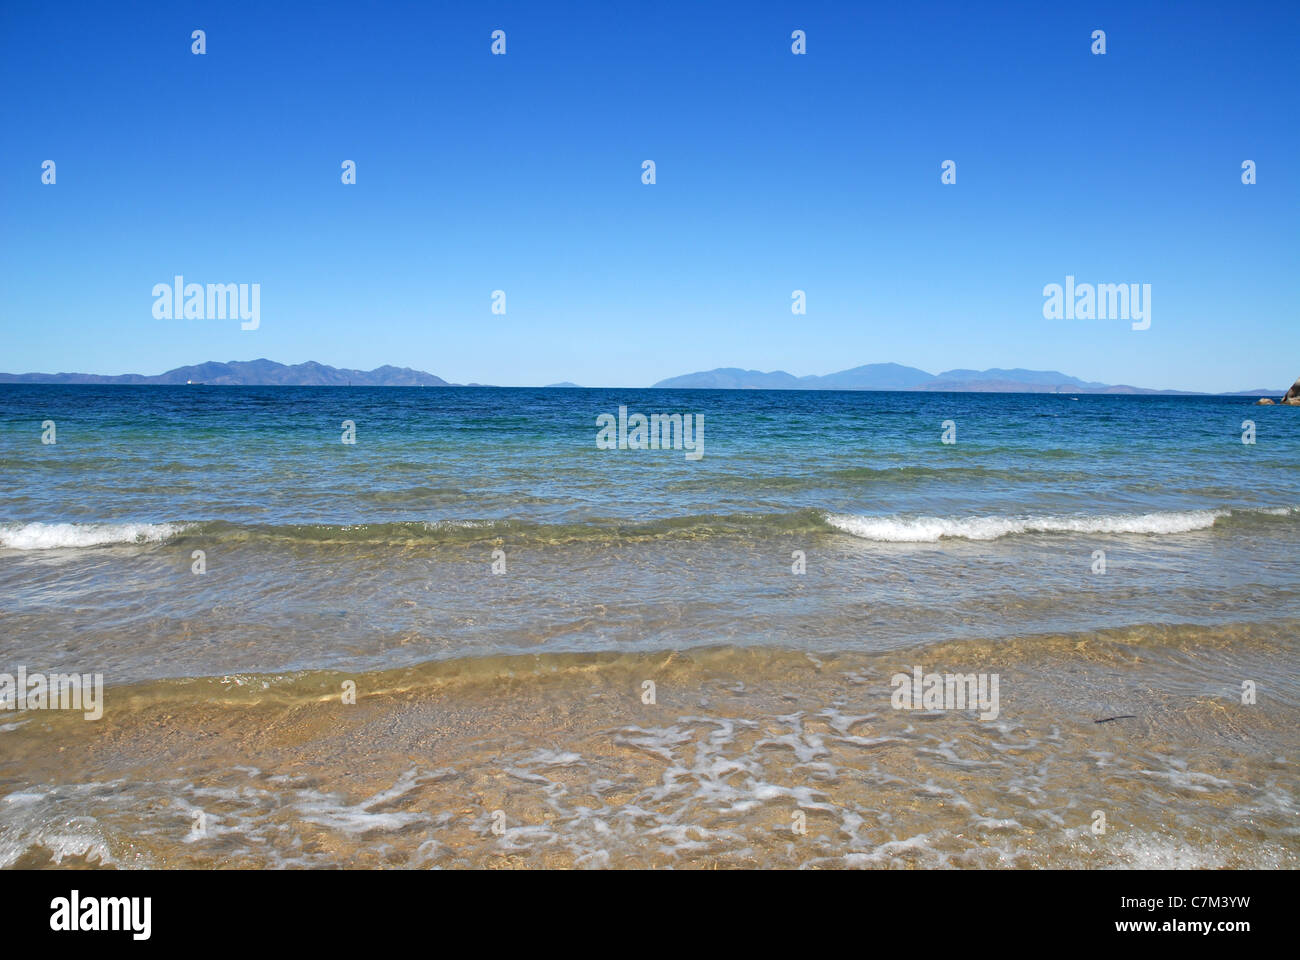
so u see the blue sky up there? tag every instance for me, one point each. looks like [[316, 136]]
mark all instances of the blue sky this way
[[775, 172]]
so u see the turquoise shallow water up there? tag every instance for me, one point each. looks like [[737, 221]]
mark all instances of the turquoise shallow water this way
[[321, 554]]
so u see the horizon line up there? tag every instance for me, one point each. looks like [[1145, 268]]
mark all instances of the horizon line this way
[[1118, 389]]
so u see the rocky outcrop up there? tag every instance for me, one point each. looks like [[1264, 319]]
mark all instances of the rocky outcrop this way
[[1292, 398]]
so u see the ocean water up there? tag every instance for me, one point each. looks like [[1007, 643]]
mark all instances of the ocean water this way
[[500, 592]]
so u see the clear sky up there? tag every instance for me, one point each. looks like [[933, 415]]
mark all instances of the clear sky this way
[[775, 172]]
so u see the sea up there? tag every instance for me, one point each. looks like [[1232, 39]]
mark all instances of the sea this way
[[449, 628]]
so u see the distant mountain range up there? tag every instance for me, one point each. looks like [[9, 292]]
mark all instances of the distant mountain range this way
[[871, 376], [252, 373], [893, 376]]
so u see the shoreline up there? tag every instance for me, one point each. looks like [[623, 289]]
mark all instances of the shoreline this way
[[558, 761]]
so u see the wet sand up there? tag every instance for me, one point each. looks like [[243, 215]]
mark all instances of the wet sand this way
[[746, 758]]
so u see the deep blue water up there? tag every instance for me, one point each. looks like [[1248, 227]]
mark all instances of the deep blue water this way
[[273, 456]]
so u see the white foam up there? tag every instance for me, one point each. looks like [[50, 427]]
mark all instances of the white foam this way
[[932, 529], [1145, 852], [49, 536]]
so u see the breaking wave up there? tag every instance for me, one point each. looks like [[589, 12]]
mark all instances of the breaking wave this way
[[933, 529], [49, 536], [885, 529]]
